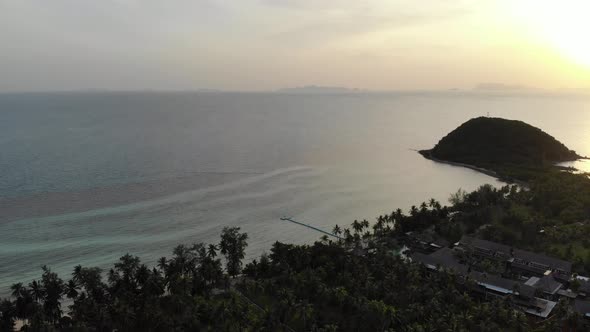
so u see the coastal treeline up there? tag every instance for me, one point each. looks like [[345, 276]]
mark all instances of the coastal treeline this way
[[327, 286], [354, 281], [187, 292]]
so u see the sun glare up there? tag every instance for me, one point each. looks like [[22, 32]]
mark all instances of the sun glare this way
[[562, 24]]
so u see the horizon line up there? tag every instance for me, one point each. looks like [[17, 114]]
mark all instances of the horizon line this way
[[325, 90]]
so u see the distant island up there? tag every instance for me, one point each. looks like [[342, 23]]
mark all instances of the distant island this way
[[313, 89], [500, 147]]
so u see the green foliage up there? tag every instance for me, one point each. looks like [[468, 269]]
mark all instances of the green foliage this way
[[233, 245], [327, 286], [489, 142], [549, 208], [365, 293], [7, 315]]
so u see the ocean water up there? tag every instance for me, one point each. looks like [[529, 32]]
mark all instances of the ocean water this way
[[88, 177]]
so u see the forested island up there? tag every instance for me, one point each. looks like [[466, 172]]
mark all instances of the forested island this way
[[510, 149], [495, 259], [492, 142]]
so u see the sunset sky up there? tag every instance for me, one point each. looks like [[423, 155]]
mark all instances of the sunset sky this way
[[271, 44]]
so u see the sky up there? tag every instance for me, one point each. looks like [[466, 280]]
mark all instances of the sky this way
[[253, 45]]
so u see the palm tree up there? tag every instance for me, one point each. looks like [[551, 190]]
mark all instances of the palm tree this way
[[379, 225], [336, 231], [54, 289], [23, 301], [211, 272], [36, 291], [77, 274], [179, 269], [162, 264], [305, 312], [17, 290], [423, 207], [71, 289], [365, 223], [212, 251], [357, 226], [7, 315], [432, 203], [413, 211], [198, 250], [348, 238]]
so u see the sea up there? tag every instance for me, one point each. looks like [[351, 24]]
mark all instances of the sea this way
[[87, 177]]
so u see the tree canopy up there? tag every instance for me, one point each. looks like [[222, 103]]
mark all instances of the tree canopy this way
[[491, 142]]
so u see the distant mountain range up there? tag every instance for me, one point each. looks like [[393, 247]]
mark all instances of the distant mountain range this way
[[313, 89]]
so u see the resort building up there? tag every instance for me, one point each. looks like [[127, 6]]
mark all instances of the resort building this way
[[583, 308], [537, 294], [525, 262]]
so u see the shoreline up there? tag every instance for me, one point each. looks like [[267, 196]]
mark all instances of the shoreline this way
[[426, 154]]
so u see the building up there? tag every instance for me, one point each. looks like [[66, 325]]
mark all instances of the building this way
[[425, 242], [547, 285], [534, 297], [520, 261], [583, 308], [584, 289], [441, 259]]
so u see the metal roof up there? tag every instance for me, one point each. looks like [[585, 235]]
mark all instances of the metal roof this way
[[528, 256]]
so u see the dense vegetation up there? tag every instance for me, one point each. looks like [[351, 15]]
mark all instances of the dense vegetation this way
[[501, 145], [552, 215], [356, 282]]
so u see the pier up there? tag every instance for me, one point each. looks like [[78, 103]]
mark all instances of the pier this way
[[312, 227]]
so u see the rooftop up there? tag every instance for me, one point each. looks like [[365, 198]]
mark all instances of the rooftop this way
[[584, 285], [542, 308], [546, 283], [582, 307], [518, 254], [502, 285], [443, 258], [524, 293], [567, 293]]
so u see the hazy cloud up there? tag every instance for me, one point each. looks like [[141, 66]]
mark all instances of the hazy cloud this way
[[136, 44]]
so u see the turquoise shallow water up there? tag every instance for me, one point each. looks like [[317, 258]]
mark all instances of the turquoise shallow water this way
[[86, 178]]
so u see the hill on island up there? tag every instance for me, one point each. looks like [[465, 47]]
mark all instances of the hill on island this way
[[495, 142]]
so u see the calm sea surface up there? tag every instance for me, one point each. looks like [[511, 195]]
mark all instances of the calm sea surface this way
[[86, 178]]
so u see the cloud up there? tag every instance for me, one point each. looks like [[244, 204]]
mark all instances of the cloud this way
[[341, 23], [502, 87], [244, 44], [313, 5]]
